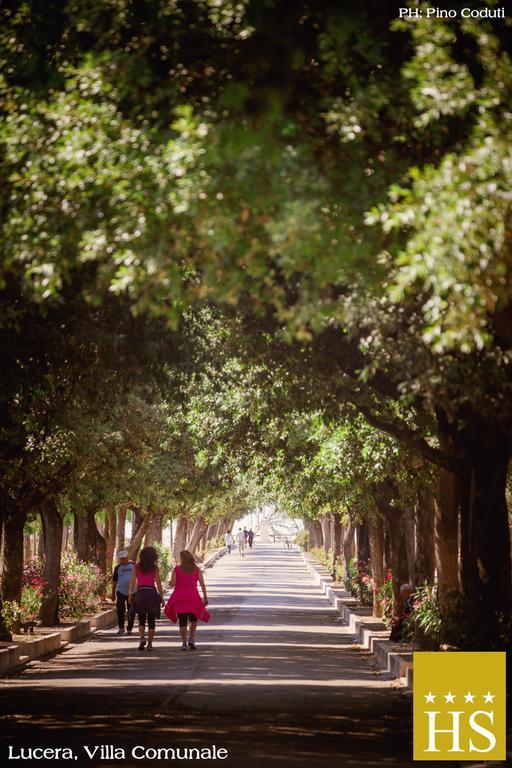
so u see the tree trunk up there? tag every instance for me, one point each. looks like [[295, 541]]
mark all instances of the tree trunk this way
[[110, 539], [121, 526], [138, 536], [101, 557], [198, 531], [12, 555], [180, 537], [27, 547], [52, 536], [5, 635], [363, 545], [325, 522], [316, 535], [394, 517], [40, 543], [85, 535], [348, 546], [376, 542], [337, 535], [71, 533], [314, 530], [425, 553], [154, 534], [409, 536], [446, 535], [210, 531], [398, 555], [485, 533], [137, 518]]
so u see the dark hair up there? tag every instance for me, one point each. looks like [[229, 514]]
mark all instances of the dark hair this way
[[187, 561], [148, 558]]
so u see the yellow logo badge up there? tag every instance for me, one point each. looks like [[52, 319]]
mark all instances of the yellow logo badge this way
[[459, 706]]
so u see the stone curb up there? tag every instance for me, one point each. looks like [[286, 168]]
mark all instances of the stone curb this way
[[9, 656], [370, 632], [211, 559], [17, 655], [76, 632], [40, 645], [104, 619]]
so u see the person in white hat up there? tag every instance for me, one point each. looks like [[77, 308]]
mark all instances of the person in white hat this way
[[120, 590]]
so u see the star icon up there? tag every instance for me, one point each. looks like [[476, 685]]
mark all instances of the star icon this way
[[469, 697], [430, 697], [488, 698], [449, 697]]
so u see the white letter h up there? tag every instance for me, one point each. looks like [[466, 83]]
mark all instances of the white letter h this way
[[432, 730]]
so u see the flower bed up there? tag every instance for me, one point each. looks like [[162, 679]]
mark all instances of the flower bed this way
[[357, 579]]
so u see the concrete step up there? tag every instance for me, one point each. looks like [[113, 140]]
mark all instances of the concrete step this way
[[369, 631]]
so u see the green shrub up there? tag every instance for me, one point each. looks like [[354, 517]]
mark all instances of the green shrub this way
[[27, 611], [386, 600], [425, 624], [80, 589], [359, 580], [164, 560], [302, 539], [213, 544], [11, 615], [323, 557]]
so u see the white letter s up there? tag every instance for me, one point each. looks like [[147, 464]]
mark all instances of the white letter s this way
[[482, 731]]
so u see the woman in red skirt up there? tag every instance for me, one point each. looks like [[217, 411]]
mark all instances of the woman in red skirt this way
[[185, 602]]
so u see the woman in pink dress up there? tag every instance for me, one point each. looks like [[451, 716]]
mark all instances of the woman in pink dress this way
[[185, 602]]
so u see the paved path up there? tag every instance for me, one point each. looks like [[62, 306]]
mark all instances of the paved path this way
[[276, 680]]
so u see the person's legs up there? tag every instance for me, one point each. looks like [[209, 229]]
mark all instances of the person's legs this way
[[120, 606], [192, 630], [142, 630], [130, 616], [151, 629], [183, 618]]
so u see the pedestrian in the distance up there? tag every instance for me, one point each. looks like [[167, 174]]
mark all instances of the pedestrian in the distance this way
[[120, 591], [229, 541], [246, 534], [250, 537], [149, 595], [185, 603], [240, 540]]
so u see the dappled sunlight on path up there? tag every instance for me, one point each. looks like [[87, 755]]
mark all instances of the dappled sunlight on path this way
[[274, 663]]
